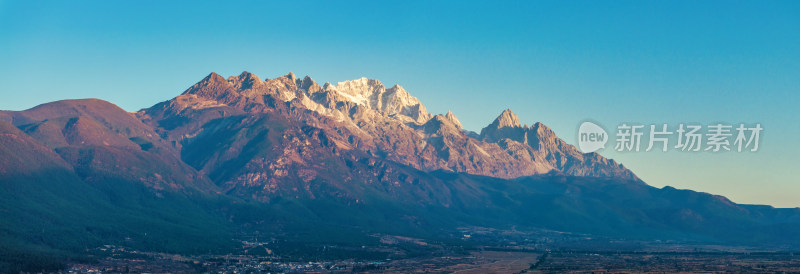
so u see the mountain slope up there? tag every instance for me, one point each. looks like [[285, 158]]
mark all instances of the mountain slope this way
[[75, 181], [100, 140]]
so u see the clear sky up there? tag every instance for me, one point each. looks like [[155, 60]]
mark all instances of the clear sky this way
[[556, 62]]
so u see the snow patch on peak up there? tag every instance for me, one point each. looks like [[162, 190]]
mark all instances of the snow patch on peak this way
[[361, 87], [374, 95]]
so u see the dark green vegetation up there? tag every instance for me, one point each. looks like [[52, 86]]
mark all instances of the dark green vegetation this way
[[62, 218]]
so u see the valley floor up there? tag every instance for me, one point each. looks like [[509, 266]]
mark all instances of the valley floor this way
[[472, 262]]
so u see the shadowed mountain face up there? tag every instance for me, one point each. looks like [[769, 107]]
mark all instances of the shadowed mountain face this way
[[287, 156]]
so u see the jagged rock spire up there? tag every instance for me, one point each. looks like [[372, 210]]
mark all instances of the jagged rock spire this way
[[506, 119], [309, 85], [506, 125], [248, 80], [453, 119], [291, 76]]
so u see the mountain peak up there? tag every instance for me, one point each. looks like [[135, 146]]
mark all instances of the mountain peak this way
[[506, 119], [291, 76], [212, 85], [505, 126], [309, 85], [248, 80], [213, 77], [538, 126], [362, 85], [246, 75], [360, 90], [453, 119]]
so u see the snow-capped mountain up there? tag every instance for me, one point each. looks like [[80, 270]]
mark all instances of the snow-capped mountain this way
[[364, 115]]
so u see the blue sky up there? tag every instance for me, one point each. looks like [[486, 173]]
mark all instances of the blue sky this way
[[556, 62]]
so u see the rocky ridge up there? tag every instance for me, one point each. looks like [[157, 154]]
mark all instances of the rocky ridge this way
[[386, 123]]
